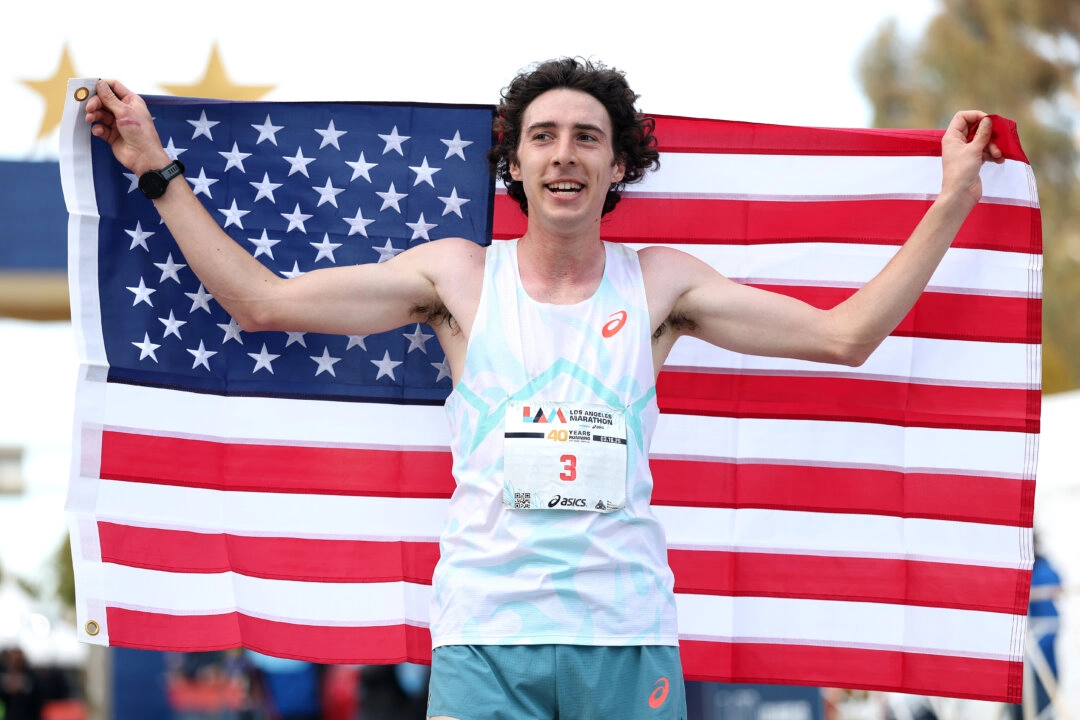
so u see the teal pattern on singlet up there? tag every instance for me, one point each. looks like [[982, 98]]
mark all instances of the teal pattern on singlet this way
[[552, 576]]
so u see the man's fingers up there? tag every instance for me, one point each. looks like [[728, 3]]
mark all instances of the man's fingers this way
[[105, 92]]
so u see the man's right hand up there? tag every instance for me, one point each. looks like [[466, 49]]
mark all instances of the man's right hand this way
[[120, 117]]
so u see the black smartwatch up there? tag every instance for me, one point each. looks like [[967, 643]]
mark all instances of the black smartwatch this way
[[153, 182]]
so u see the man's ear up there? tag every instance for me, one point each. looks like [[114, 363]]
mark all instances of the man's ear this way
[[618, 171], [515, 170]]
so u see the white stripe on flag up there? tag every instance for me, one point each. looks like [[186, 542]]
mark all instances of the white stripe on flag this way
[[963, 270], [379, 518], [794, 177], [968, 633]]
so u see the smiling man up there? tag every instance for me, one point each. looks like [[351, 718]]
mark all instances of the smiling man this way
[[553, 597]]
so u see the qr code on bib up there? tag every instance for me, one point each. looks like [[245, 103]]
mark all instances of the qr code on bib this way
[[522, 501]]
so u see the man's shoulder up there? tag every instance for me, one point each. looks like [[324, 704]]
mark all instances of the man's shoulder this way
[[447, 254], [664, 261]]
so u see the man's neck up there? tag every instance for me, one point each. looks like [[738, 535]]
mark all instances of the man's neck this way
[[560, 269]]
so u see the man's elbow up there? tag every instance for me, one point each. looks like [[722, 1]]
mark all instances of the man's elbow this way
[[852, 354], [255, 317]]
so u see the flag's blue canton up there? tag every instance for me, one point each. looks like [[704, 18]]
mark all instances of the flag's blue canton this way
[[301, 186]]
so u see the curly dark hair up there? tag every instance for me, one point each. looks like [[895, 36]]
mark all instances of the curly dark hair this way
[[632, 141]]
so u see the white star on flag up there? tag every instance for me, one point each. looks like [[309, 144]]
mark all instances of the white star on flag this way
[[266, 188], [235, 158], [394, 141], [417, 340], [391, 198], [169, 269], [361, 168], [142, 294], [386, 252], [200, 299], [172, 326], [263, 245], [202, 126], [232, 331], [267, 131], [298, 163], [294, 273], [420, 228], [138, 237], [328, 193], [424, 173], [263, 359], [358, 224], [386, 366], [453, 203], [326, 248], [146, 348], [456, 146], [232, 215], [201, 185], [443, 366], [330, 136], [202, 356], [326, 363], [296, 219], [172, 151]]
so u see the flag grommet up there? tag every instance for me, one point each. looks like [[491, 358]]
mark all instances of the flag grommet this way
[[92, 628], [82, 93]]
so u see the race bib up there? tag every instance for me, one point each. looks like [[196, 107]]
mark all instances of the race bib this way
[[564, 456]]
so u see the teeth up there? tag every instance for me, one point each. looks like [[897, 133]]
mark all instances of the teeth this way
[[565, 186]]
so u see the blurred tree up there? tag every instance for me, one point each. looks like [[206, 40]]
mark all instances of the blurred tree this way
[[65, 573], [1017, 58]]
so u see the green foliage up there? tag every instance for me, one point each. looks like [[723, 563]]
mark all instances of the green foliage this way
[[1017, 58], [65, 573]]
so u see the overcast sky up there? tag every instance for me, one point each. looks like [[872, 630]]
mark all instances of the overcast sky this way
[[785, 61]]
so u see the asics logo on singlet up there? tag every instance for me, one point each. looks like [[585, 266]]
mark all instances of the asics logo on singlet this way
[[614, 324], [660, 693]]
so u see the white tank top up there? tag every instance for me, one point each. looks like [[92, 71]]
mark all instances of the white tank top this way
[[509, 576]]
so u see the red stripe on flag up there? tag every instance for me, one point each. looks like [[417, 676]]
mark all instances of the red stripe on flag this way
[[274, 558], [990, 226], [697, 135], [275, 468], [933, 496], [701, 572], [886, 670], [879, 580], [801, 397], [869, 669], [945, 316], [682, 482], [316, 643]]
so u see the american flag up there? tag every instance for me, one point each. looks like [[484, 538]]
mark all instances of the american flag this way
[[862, 528]]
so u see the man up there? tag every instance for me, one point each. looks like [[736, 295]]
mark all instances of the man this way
[[553, 597]]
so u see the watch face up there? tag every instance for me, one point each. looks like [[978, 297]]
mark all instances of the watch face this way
[[152, 184]]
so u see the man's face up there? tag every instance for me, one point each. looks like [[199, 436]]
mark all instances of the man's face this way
[[565, 159]]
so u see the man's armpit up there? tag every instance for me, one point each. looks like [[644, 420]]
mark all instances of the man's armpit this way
[[435, 314], [676, 322]]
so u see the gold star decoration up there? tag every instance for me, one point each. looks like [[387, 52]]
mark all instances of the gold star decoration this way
[[216, 84], [53, 90]]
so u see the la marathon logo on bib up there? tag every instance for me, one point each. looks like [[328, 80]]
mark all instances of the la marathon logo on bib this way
[[552, 415], [614, 324]]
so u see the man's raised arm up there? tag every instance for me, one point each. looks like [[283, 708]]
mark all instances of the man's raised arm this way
[[706, 305], [359, 299]]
